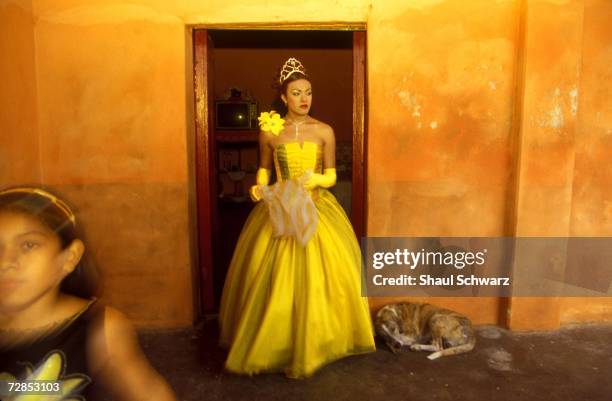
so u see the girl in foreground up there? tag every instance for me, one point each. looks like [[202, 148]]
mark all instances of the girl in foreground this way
[[51, 326]]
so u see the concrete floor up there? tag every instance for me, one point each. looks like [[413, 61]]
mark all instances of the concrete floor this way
[[573, 363]]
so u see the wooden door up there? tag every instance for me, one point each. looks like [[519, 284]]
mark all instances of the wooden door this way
[[205, 166], [358, 206]]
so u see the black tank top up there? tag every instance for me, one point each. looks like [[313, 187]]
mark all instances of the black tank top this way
[[65, 345]]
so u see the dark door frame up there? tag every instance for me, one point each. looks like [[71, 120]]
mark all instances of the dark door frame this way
[[205, 146]]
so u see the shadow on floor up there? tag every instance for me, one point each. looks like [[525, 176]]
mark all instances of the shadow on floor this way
[[570, 364]]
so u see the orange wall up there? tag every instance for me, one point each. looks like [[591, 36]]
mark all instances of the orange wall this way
[[113, 106], [440, 107], [591, 213], [112, 95], [440, 102], [546, 147], [19, 162], [564, 173], [330, 71]]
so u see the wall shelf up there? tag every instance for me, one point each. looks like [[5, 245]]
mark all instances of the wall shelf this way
[[242, 136]]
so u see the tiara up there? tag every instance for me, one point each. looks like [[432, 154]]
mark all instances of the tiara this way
[[54, 199], [291, 66]]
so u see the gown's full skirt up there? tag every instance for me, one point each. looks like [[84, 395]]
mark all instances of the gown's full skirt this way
[[292, 308]]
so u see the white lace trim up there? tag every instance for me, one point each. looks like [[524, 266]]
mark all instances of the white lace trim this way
[[291, 209]]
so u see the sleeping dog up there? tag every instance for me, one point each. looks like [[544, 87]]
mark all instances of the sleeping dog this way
[[424, 327]]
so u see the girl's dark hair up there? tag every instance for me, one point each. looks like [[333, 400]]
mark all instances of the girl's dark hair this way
[[56, 215], [278, 103]]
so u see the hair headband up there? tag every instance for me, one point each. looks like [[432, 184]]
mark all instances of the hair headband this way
[[54, 199]]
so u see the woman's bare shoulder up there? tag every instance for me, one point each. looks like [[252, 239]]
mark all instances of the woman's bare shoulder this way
[[319, 124], [115, 319], [111, 341], [325, 132], [119, 363], [322, 129], [111, 334], [266, 138]]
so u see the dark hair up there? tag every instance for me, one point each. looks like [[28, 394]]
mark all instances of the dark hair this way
[[278, 103], [55, 214]]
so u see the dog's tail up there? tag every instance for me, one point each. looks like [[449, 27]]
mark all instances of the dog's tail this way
[[459, 349]]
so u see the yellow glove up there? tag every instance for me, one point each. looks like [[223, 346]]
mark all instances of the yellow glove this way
[[325, 180], [262, 179]]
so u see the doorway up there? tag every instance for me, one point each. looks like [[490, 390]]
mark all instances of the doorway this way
[[240, 67]]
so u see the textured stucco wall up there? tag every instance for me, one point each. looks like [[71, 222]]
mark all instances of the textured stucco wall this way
[[19, 162], [441, 78], [566, 46], [591, 214], [112, 95]]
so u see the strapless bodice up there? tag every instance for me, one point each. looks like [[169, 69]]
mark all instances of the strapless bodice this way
[[291, 160]]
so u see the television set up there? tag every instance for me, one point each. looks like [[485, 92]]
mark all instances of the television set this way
[[235, 115]]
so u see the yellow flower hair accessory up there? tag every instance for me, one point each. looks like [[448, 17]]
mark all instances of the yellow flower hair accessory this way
[[271, 122]]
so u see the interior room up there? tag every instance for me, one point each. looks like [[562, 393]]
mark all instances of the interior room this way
[[245, 64]]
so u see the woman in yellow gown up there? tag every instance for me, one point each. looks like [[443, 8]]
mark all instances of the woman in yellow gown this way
[[292, 297]]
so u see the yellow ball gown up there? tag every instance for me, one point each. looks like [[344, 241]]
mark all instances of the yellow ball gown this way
[[288, 307]]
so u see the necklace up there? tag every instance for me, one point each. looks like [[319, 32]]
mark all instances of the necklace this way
[[297, 125]]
